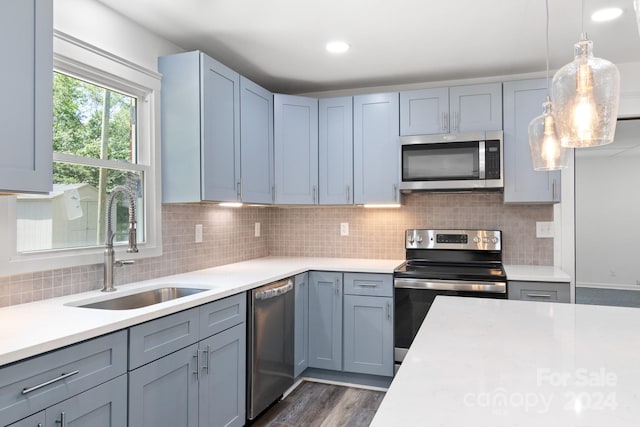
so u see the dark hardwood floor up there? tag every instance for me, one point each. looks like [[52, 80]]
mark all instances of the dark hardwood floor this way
[[322, 405]]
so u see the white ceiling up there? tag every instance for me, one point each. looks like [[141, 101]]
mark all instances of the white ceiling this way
[[280, 43]]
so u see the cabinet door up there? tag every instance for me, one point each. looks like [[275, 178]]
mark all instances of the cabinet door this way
[[102, 406], [220, 123], [256, 138], [522, 102], [222, 378], [424, 112], [335, 150], [368, 335], [325, 320], [26, 104], [296, 149], [301, 325], [475, 107], [164, 393], [36, 420], [376, 148]]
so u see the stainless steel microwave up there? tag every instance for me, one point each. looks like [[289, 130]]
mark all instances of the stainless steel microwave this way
[[469, 161]]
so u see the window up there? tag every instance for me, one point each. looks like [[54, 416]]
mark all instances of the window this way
[[95, 149], [106, 122]]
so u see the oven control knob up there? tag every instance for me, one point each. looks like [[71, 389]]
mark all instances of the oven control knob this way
[[476, 239], [410, 239], [494, 240], [419, 239]]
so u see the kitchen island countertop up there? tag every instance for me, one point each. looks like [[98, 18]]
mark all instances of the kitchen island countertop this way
[[499, 363]]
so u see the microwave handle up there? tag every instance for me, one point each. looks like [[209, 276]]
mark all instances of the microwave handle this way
[[481, 161]]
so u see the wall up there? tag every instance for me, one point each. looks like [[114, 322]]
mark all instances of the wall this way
[[607, 211], [379, 233]]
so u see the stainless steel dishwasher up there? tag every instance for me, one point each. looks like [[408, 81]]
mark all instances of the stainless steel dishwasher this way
[[270, 344]]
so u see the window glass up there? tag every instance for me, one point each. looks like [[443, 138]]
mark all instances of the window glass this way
[[95, 150]]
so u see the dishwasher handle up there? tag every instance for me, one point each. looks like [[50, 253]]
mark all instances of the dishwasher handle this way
[[275, 292]]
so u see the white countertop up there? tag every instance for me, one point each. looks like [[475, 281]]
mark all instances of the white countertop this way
[[30, 329], [498, 363], [536, 273]]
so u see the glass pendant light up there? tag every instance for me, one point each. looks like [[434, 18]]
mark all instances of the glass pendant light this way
[[546, 151], [586, 96]]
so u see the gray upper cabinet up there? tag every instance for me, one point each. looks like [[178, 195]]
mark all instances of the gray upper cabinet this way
[[376, 148], [335, 151], [296, 150], [522, 102], [424, 111], [451, 110], [325, 320], [200, 129], [26, 105], [301, 324], [256, 137]]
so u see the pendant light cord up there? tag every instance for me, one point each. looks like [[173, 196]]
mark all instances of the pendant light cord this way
[[547, 30]]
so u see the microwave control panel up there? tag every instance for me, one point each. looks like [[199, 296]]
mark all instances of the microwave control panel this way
[[492, 159]]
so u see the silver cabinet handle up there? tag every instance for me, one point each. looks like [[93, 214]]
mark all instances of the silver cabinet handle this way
[[348, 193], [206, 352], [239, 190], [336, 287], [395, 192], [444, 121], [553, 189], [539, 295], [197, 357], [273, 193], [367, 285], [39, 424], [315, 194], [63, 420], [46, 383], [388, 310]]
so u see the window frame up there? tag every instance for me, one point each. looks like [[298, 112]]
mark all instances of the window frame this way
[[82, 60]]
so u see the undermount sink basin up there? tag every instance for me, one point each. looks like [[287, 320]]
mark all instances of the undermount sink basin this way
[[143, 299]]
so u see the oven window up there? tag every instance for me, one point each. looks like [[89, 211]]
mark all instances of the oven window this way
[[438, 162]]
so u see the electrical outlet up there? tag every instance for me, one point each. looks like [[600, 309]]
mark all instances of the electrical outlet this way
[[344, 228], [256, 229], [198, 233], [544, 229]]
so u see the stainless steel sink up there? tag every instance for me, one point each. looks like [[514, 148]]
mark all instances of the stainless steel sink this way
[[143, 299]]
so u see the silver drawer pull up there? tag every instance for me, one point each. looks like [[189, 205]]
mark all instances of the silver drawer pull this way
[[539, 295], [44, 384], [367, 285]]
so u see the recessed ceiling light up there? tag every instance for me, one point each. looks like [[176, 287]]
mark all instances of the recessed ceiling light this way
[[338, 46], [607, 14]]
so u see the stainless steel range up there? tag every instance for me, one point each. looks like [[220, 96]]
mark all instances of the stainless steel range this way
[[466, 263]]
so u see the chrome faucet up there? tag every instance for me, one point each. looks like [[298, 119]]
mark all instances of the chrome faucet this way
[[109, 254]]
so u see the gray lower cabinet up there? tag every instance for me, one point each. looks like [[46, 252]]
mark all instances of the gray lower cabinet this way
[[522, 102], [325, 320], [368, 323], [540, 291], [202, 384], [165, 392], [102, 406], [39, 383], [36, 420], [368, 335], [301, 325]]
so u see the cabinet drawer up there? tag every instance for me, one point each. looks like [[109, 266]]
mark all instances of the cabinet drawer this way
[[222, 314], [35, 384], [152, 340], [539, 291], [380, 285]]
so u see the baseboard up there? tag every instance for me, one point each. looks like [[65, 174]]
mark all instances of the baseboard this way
[[348, 379]]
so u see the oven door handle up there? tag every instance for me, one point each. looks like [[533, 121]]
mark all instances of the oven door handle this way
[[451, 285]]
